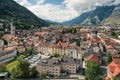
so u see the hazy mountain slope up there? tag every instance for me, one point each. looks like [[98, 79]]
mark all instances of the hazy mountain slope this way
[[114, 18], [23, 18], [93, 17]]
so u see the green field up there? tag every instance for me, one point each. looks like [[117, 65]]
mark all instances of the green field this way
[[11, 65]]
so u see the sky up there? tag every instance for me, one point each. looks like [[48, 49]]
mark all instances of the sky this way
[[63, 10]]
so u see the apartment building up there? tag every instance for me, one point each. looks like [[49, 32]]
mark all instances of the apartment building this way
[[62, 48], [55, 66], [7, 54]]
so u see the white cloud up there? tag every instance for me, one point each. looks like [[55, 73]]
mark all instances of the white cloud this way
[[67, 10]]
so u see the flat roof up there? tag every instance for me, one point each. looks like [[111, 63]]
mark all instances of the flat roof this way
[[3, 73]]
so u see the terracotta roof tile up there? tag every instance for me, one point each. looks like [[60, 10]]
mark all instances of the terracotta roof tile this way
[[114, 67], [92, 57]]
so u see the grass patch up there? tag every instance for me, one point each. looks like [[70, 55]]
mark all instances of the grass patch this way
[[11, 65]]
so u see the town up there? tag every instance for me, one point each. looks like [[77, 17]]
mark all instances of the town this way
[[68, 52]]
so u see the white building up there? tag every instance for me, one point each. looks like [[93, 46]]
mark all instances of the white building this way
[[1, 45], [7, 54], [12, 28]]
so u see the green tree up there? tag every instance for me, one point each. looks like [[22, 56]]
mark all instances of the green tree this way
[[113, 33], [78, 42], [43, 75], [15, 73], [5, 42], [109, 58], [22, 70], [92, 71], [24, 67], [1, 34], [2, 68], [100, 52], [33, 72], [115, 78], [56, 55]]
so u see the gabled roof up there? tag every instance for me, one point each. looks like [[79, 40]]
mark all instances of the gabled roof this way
[[109, 47], [92, 57], [114, 67], [60, 44]]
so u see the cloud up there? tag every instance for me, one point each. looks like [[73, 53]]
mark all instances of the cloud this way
[[67, 10]]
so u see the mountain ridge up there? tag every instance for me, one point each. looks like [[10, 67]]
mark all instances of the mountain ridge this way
[[23, 18], [100, 16]]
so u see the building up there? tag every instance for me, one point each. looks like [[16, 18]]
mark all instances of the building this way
[[20, 49], [7, 54], [55, 66], [74, 52], [91, 57], [12, 28], [113, 69], [1, 26], [3, 75], [62, 48], [1, 45]]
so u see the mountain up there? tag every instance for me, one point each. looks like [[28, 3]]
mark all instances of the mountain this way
[[23, 18], [114, 18], [98, 16], [52, 22]]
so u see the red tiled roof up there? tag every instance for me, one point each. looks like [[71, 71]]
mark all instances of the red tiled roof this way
[[109, 47], [92, 57], [112, 41], [107, 78], [8, 49], [37, 33], [60, 44], [114, 67]]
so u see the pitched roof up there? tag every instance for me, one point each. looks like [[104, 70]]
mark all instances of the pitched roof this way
[[109, 47], [60, 44], [92, 57], [114, 67]]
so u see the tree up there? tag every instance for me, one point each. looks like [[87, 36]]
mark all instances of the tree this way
[[22, 70], [15, 73], [92, 71], [78, 42], [109, 58], [24, 67], [113, 33], [43, 75], [33, 72], [5, 42], [2, 68], [100, 52], [56, 55], [115, 78], [1, 34]]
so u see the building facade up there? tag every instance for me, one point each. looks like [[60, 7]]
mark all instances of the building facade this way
[[7, 54], [55, 66]]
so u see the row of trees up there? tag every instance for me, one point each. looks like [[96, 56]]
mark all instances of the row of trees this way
[[69, 30], [22, 70]]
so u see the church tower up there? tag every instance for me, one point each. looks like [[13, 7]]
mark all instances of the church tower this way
[[12, 28]]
